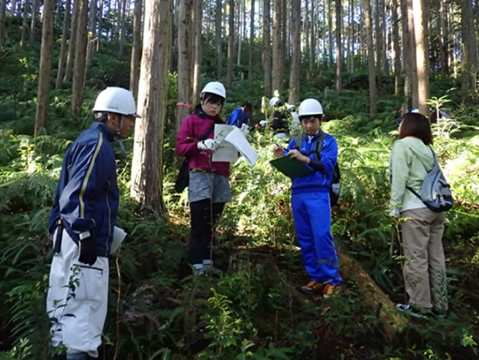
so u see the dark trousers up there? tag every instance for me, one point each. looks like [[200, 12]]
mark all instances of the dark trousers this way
[[204, 215]]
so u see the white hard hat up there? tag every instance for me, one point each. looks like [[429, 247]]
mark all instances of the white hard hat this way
[[292, 107], [214, 87], [310, 107], [274, 101], [116, 100]]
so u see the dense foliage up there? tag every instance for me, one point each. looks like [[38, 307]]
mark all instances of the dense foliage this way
[[253, 310]]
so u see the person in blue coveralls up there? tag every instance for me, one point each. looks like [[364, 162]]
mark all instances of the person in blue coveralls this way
[[81, 223], [240, 116], [311, 204]]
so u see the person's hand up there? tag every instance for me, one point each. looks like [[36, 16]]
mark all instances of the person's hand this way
[[278, 150], [296, 154], [208, 144], [244, 130], [87, 249], [263, 122]]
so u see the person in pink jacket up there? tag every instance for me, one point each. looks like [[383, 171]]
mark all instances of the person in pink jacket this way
[[208, 188]]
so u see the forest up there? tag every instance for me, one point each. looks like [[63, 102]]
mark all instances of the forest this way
[[366, 61]]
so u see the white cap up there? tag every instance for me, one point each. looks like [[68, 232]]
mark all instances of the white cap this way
[[214, 87], [116, 100], [310, 107]]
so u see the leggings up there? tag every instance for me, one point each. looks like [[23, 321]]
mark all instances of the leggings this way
[[204, 216]]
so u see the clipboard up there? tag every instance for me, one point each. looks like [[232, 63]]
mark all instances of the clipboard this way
[[291, 167]]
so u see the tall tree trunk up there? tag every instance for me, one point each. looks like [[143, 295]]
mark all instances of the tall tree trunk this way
[[421, 55], [218, 38], [312, 48], [73, 41], [63, 47], [241, 23], [198, 53], [33, 23], [330, 33], [352, 35], [443, 38], [294, 73], [26, 9], [231, 44], [409, 48], [136, 49], [339, 60], [80, 59], [267, 48], [100, 25], [122, 25], [184, 60], [379, 44], [91, 34], [469, 50], [251, 45], [41, 114], [277, 76], [396, 46], [373, 96], [147, 164], [2, 20]]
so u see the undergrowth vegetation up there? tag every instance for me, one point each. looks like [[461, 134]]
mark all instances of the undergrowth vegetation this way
[[158, 310]]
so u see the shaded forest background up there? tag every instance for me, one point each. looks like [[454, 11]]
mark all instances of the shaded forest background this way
[[363, 60]]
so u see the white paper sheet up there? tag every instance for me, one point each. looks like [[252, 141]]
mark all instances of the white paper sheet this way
[[118, 236], [232, 141], [226, 152]]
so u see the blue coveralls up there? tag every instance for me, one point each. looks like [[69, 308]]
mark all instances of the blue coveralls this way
[[312, 212]]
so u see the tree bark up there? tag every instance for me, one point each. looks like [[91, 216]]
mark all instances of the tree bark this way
[[294, 73], [184, 60], [231, 45], [80, 59], [330, 33], [373, 96], [73, 41], [147, 163], [100, 25], [469, 51], [63, 47], [33, 23], [277, 75], [136, 49], [339, 60], [420, 25], [409, 46], [91, 33], [122, 24], [198, 46], [267, 48], [396, 46], [26, 9], [251, 45], [2, 20], [218, 38], [41, 114], [443, 38]]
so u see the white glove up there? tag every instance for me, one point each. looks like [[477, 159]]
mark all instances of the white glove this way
[[244, 130], [208, 144], [263, 122]]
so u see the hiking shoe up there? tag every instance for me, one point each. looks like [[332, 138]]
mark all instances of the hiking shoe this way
[[312, 288], [412, 311], [330, 291]]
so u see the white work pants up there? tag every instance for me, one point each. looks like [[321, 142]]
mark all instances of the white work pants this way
[[77, 300]]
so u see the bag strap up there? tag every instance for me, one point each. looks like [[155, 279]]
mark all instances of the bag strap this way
[[208, 132], [436, 165], [318, 145]]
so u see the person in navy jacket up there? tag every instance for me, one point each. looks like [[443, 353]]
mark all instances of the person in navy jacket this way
[[311, 204], [81, 223]]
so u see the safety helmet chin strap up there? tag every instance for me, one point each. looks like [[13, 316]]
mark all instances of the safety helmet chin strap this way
[[118, 135]]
